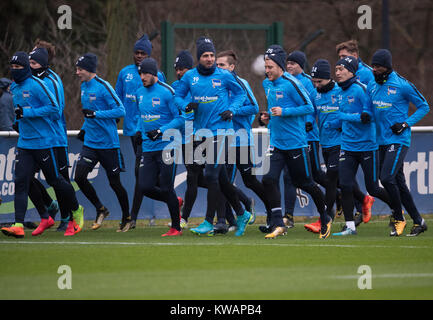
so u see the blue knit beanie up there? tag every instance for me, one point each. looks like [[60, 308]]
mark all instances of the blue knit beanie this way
[[144, 44], [204, 45], [148, 65], [382, 57], [276, 53], [40, 55], [350, 63], [297, 56], [88, 62], [321, 69]]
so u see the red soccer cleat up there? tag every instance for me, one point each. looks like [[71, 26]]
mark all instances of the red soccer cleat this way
[[366, 208], [172, 232], [313, 227], [44, 225], [72, 229]]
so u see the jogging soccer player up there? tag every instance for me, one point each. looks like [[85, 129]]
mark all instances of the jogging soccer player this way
[[358, 140], [128, 82], [214, 109], [326, 102], [288, 104], [364, 73], [295, 66], [101, 107], [35, 108], [39, 66], [158, 112], [390, 95]]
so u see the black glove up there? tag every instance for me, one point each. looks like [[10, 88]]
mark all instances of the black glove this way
[[154, 134], [80, 135], [365, 118], [399, 127], [138, 138], [308, 126], [191, 106], [339, 129], [89, 113], [15, 127], [226, 115], [18, 112]]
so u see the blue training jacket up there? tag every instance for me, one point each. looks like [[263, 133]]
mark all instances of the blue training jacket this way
[[355, 136], [157, 111], [327, 111], [187, 130], [305, 79], [101, 131], [244, 118], [364, 74], [212, 94], [128, 82], [391, 105], [40, 109], [60, 138], [287, 131]]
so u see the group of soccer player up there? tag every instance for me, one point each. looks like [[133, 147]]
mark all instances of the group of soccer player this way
[[204, 120]]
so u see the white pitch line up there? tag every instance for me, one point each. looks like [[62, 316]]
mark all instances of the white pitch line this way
[[211, 244], [390, 275]]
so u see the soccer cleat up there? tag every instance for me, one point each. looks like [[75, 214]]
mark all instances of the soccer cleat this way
[[16, 230], [53, 209], [278, 231], [72, 229], [63, 225], [102, 214], [183, 223], [44, 225], [232, 228], [253, 212], [203, 228], [313, 227], [288, 220], [366, 208], [265, 229], [398, 228], [417, 229], [345, 232], [172, 232], [242, 222], [133, 224], [325, 230], [125, 225], [78, 216], [220, 228], [357, 218]]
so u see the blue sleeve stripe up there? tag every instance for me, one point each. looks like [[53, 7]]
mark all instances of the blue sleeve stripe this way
[[361, 85], [55, 89], [45, 90], [108, 89], [297, 89], [417, 92]]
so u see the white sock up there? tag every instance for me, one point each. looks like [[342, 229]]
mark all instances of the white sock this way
[[351, 225]]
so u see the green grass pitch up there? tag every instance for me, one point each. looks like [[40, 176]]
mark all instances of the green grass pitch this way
[[140, 264]]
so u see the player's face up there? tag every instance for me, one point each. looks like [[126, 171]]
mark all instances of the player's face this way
[[16, 66], [207, 59], [377, 70], [342, 74], [272, 70], [147, 79], [320, 83], [223, 63], [180, 72], [343, 53], [34, 64], [139, 56], [84, 75], [293, 68]]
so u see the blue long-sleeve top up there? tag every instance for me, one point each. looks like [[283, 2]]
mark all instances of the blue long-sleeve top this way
[[355, 136], [305, 79], [212, 94], [391, 105], [364, 74], [188, 130], [40, 108], [287, 131], [101, 131], [157, 111], [327, 111], [244, 118], [128, 82]]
